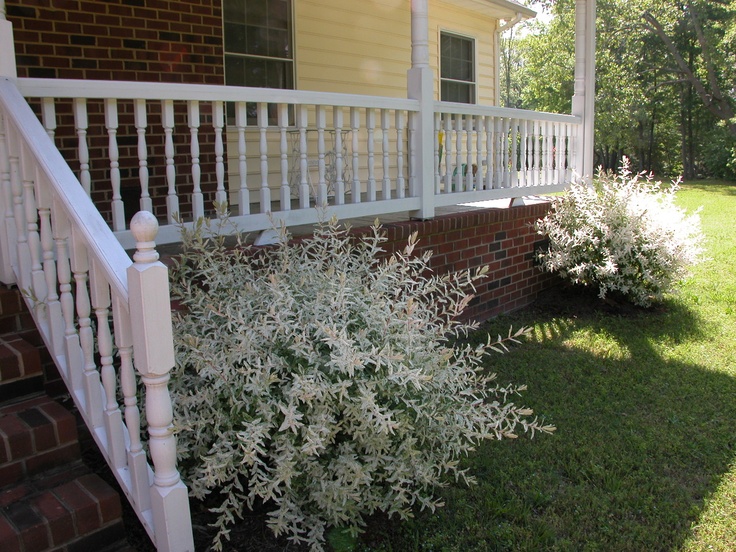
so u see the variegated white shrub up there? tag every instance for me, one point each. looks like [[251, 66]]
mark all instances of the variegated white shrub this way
[[624, 235], [324, 382]]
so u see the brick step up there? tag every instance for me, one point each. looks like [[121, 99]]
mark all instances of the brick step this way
[[36, 434], [21, 371], [65, 509]]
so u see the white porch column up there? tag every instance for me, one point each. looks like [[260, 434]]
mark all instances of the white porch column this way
[[420, 86], [7, 46], [583, 102]]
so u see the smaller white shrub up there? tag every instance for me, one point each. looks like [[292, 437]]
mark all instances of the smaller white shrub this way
[[322, 381], [624, 235]]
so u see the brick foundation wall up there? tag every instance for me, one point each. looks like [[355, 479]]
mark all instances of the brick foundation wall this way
[[502, 239]]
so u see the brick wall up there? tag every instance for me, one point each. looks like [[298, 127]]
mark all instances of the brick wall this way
[[135, 40], [129, 40], [502, 239]]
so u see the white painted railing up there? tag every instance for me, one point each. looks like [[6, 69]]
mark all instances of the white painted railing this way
[[274, 155], [105, 319]]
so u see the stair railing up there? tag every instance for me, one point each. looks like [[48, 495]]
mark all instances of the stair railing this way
[[91, 304]]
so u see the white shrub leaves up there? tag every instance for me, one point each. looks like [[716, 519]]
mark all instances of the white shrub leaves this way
[[323, 381], [623, 235]]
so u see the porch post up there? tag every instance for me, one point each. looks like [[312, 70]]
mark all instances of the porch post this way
[[583, 102], [420, 86], [7, 46]]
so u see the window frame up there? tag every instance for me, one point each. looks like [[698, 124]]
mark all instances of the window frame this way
[[290, 61], [473, 63]]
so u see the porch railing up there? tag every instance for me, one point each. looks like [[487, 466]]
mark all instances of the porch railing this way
[[105, 319], [273, 155]]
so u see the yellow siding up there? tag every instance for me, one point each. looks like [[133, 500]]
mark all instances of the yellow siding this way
[[365, 47]]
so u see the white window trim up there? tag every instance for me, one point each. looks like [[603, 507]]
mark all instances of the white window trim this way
[[474, 39]]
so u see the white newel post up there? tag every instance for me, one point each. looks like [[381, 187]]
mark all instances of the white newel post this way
[[420, 86], [153, 355], [583, 102]]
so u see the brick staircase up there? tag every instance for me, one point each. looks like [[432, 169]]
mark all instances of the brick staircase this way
[[49, 498]]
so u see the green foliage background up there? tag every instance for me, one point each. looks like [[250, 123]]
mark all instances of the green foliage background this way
[[645, 109]]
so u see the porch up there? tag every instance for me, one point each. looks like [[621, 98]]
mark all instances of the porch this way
[[79, 159]]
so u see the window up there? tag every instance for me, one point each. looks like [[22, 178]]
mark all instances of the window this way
[[457, 68], [258, 43]]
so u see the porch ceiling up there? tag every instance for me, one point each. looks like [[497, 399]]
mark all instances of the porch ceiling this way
[[504, 8]]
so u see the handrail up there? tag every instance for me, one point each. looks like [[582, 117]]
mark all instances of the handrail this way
[[511, 113], [88, 299], [91, 89]]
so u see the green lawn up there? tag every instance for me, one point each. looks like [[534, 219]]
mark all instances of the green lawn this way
[[644, 457]]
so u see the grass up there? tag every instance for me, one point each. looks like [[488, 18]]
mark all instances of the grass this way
[[644, 457]]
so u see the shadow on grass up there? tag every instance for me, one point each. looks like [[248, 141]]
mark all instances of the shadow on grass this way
[[641, 441]]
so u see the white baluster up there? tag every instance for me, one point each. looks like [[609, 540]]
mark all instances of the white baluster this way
[[113, 422], [241, 121], [439, 136], [468, 172], [38, 279], [263, 130], [449, 143], [22, 254], [193, 122], [81, 123], [537, 153], [370, 125], [321, 121], [400, 180], [48, 116], [507, 152], [523, 133], [172, 200], [53, 307], [285, 189], [90, 378], [141, 124], [337, 121], [137, 462], [111, 123], [514, 151], [8, 252], [414, 186], [548, 130], [71, 351], [153, 353], [356, 188], [498, 146], [480, 150], [490, 167], [218, 122], [458, 170], [304, 191], [386, 180]]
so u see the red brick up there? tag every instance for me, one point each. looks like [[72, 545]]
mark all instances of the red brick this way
[[17, 437], [8, 536], [11, 473], [64, 422], [107, 499], [54, 457], [58, 518], [81, 504]]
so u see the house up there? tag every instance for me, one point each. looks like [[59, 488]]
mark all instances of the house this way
[[366, 109]]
